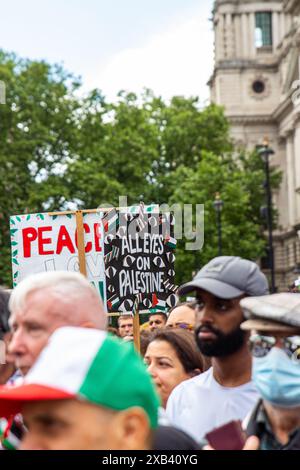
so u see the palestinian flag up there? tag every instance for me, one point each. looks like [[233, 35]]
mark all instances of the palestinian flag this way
[[171, 242], [113, 302], [110, 221], [157, 304]]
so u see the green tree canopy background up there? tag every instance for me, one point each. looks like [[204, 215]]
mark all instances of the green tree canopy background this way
[[60, 150]]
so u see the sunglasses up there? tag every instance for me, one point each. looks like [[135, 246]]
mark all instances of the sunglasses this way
[[261, 345], [185, 326]]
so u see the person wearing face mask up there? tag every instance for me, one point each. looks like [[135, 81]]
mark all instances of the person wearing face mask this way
[[274, 321]]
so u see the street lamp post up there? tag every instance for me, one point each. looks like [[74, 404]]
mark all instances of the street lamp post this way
[[218, 205], [265, 151]]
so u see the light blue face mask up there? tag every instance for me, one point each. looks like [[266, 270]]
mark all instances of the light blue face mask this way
[[277, 378]]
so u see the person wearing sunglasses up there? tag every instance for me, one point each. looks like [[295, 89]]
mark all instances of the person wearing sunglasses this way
[[182, 325], [274, 326], [182, 316]]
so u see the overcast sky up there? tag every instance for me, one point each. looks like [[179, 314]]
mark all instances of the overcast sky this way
[[165, 45]]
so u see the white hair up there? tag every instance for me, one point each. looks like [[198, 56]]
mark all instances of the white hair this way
[[69, 288]]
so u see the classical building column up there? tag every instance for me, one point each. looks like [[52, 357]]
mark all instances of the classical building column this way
[[221, 37], [216, 44], [275, 29], [282, 26], [237, 37], [229, 36], [244, 37], [251, 35]]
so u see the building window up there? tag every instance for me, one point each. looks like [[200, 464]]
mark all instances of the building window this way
[[263, 29], [258, 86]]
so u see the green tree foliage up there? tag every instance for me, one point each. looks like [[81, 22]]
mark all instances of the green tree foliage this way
[[59, 150], [116, 147], [36, 132], [240, 181]]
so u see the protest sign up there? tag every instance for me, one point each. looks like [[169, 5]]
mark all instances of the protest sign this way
[[139, 260], [44, 242]]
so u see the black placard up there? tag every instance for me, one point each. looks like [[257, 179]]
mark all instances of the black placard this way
[[139, 261]]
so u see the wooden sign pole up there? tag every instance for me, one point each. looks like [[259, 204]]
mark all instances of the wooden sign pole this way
[[136, 331], [80, 242]]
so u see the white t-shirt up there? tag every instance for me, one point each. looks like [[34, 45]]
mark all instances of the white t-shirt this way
[[201, 404]]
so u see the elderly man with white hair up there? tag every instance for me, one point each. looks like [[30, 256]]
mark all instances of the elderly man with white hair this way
[[43, 302], [39, 305]]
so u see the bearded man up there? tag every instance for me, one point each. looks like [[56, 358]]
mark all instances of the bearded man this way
[[225, 392]]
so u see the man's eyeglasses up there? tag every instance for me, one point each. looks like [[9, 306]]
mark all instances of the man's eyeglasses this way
[[185, 326], [261, 345]]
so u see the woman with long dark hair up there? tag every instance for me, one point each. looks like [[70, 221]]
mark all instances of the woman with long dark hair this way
[[172, 356]]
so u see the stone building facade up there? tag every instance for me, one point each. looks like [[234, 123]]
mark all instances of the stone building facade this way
[[256, 78]]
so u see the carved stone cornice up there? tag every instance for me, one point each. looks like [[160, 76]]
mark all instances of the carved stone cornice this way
[[243, 64], [284, 234], [246, 6], [252, 120], [218, 3]]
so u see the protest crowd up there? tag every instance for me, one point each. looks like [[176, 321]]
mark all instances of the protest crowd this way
[[218, 370]]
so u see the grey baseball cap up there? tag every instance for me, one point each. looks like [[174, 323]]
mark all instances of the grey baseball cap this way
[[228, 277], [276, 312]]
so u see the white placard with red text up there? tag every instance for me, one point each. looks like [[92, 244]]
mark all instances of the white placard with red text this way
[[42, 242]]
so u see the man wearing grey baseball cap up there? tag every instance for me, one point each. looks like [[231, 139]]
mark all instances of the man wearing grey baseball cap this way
[[225, 392]]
